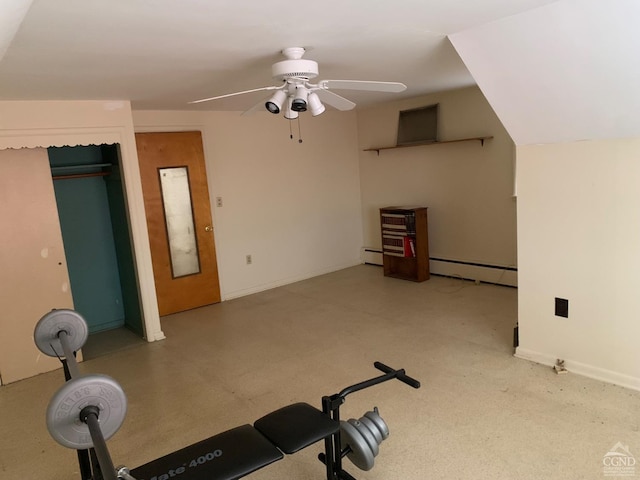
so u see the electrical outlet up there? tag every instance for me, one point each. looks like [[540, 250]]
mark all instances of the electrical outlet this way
[[218, 201], [562, 307], [249, 260]]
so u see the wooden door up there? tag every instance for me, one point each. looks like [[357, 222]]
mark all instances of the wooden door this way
[[178, 210]]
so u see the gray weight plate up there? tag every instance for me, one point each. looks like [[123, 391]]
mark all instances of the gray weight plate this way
[[63, 413], [361, 455], [46, 332], [380, 423], [366, 421], [368, 436]]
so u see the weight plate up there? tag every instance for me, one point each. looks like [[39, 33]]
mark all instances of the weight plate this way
[[366, 421], [361, 455], [63, 412], [380, 423], [46, 332], [368, 436]]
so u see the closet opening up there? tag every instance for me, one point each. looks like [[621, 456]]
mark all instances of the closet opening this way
[[95, 231]]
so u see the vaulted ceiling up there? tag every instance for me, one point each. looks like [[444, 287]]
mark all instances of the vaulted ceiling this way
[[553, 70], [162, 53]]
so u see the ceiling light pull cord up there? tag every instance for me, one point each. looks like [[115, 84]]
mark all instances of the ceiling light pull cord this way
[[290, 129], [299, 131]]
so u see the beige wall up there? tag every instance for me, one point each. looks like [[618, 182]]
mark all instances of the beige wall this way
[[468, 188], [295, 207], [579, 239]]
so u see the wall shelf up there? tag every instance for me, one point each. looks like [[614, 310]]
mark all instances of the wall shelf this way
[[422, 144]]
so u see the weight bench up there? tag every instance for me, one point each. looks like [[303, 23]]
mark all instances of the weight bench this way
[[88, 409], [242, 450]]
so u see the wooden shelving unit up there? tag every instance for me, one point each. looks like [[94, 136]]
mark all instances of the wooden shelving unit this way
[[422, 144], [405, 243]]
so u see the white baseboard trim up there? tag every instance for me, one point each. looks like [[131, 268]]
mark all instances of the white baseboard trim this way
[[583, 369], [286, 281], [157, 336]]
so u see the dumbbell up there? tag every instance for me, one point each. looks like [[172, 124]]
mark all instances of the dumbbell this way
[[361, 438], [88, 409]]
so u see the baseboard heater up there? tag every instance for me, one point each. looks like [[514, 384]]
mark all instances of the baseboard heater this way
[[484, 265], [372, 256], [474, 271]]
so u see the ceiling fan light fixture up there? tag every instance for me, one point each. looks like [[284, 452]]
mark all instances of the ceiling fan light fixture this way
[[289, 113], [274, 104], [299, 103], [300, 95], [294, 66], [315, 105]]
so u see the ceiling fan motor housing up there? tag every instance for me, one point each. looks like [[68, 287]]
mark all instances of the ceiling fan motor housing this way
[[294, 68]]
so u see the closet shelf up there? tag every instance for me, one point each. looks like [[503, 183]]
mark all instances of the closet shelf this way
[[422, 144]]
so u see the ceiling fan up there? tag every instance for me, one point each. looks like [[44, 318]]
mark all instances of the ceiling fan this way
[[297, 94]]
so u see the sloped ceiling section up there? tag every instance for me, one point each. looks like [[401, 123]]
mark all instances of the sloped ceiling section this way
[[563, 72], [12, 13]]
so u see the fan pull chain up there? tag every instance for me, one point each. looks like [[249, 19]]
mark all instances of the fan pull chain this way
[[290, 130], [299, 131]]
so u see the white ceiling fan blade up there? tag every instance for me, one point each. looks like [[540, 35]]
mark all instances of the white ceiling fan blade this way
[[236, 93], [335, 100], [257, 107], [371, 86]]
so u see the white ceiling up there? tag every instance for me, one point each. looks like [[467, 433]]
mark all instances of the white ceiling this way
[[160, 54]]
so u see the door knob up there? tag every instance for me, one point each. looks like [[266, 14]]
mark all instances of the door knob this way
[[208, 228]]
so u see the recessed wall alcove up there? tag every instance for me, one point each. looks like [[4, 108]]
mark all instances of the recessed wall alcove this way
[[92, 212]]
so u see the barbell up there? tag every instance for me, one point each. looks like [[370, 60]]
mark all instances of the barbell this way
[[88, 409]]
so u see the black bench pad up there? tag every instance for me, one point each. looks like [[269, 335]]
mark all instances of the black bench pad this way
[[296, 426], [227, 456]]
